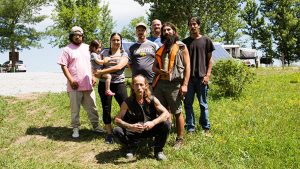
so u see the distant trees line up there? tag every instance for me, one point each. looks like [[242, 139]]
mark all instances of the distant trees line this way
[[273, 26]]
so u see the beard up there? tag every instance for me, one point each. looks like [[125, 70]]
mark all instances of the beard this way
[[169, 41], [77, 42]]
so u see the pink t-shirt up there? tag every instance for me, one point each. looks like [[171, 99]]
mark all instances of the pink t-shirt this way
[[77, 60]]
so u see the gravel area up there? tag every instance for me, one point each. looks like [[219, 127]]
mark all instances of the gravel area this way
[[15, 84]]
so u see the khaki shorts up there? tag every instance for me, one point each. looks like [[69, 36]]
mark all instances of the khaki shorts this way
[[168, 94]]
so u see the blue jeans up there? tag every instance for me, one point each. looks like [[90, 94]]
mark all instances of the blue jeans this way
[[196, 86]]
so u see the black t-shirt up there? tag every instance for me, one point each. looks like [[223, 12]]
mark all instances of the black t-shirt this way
[[198, 50]]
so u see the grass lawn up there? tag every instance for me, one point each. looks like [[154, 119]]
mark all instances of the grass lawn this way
[[261, 129]]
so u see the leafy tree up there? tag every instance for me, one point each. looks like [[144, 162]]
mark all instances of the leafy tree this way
[[175, 11], [257, 29], [128, 32], [17, 18], [284, 18], [218, 16], [226, 16], [95, 20], [264, 36], [250, 14]]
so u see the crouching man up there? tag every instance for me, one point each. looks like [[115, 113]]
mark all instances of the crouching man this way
[[142, 116]]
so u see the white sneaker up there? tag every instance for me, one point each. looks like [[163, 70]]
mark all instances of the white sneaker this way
[[75, 133]]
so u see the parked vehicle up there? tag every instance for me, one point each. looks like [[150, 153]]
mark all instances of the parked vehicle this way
[[20, 66], [247, 55]]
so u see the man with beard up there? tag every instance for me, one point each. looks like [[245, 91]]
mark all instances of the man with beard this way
[[155, 32], [172, 68], [142, 54], [200, 48], [76, 66]]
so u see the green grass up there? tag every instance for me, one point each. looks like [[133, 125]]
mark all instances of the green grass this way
[[261, 129]]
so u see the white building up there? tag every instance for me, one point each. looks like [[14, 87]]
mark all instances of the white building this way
[[247, 55]]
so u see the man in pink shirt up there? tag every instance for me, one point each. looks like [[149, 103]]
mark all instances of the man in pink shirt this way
[[76, 66]]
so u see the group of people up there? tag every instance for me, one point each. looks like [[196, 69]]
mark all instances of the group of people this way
[[165, 72]]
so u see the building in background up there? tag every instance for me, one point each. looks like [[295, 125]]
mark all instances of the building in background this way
[[247, 55]]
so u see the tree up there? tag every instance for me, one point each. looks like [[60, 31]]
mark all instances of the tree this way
[[250, 14], [128, 32], [218, 16], [95, 20], [264, 36], [284, 18], [17, 18], [175, 11], [227, 17]]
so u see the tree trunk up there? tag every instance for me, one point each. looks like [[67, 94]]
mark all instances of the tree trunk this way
[[282, 59], [13, 58]]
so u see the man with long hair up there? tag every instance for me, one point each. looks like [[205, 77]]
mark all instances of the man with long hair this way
[[172, 68], [142, 116]]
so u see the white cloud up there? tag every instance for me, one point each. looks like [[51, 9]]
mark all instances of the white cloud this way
[[123, 11]]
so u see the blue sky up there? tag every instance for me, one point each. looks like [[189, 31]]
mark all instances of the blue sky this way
[[44, 59]]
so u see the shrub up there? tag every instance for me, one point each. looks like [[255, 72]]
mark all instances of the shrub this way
[[229, 78]]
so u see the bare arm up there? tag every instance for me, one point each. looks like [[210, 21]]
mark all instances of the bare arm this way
[[68, 75], [123, 62], [119, 120], [163, 116], [120, 115], [99, 61], [187, 71], [209, 68], [94, 79]]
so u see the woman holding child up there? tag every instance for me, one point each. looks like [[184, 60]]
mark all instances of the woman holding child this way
[[115, 61]]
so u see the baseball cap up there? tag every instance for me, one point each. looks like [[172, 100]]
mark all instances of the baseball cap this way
[[141, 24], [76, 29]]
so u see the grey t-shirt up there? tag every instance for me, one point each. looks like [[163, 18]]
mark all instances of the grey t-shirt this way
[[141, 59], [93, 58], [118, 76]]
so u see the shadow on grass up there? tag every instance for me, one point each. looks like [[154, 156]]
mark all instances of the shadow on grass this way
[[114, 157], [117, 156], [63, 133]]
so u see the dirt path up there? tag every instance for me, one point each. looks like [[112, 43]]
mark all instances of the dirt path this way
[[14, 84]]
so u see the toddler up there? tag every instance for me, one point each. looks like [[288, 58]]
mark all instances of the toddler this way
[[97, 63]]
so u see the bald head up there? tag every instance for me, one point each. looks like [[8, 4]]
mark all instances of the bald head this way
[[155, 28]]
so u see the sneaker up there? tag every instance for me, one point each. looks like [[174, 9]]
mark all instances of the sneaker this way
[[75, 133], [191, 131], [99, 129], [109, 139], [129, 155], [160, 156], [178, 144], [109, 93]]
